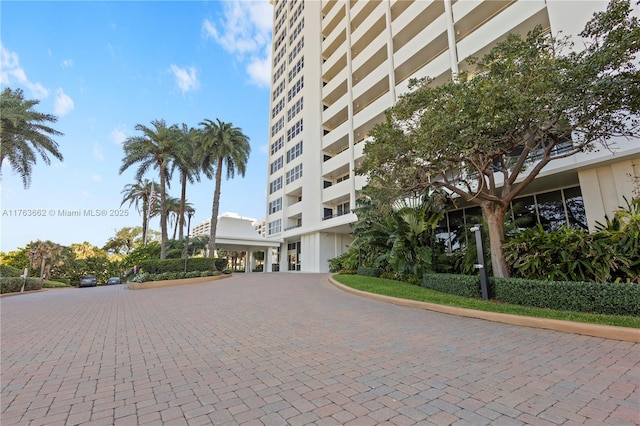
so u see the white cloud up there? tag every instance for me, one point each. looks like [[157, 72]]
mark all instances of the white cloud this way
[[67, 63], [63, 103], [96, 178], [186, 78], [12, 73], [244, 30], [97, 152], [119, 134]]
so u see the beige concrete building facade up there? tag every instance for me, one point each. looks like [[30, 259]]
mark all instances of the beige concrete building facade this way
[[338, 65]]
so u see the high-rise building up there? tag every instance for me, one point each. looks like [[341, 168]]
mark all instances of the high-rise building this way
[[338, 65]]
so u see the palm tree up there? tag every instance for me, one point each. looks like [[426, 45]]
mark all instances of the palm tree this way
[[154, 149], [184, 161], [23, 133], [221, 144], [139, 194]]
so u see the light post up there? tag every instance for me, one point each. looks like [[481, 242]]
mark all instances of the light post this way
[[32, 253], [186, 244], [482, 262]]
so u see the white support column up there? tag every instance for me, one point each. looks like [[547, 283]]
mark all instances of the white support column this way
[[268, 259]]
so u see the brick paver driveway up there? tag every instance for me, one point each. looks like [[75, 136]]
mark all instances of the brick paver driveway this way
[[276, 349]]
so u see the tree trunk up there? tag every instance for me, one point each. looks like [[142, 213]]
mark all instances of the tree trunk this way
[[163, 215], [495, 222], [183, 199], [145, 220], [214, 210]]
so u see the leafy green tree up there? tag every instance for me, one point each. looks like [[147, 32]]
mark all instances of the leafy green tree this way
[[487, 135], [139, 194], [124, 241], [24, 133], [221, 146], [154, 149], [185, 162], [18, 258], [147, 252]]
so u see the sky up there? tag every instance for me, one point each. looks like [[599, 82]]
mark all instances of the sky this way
[[103, 67]]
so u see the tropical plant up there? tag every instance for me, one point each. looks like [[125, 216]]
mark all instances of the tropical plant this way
[[24, 133], [139, 194], [154, 149], [221, 146], [487, 135], [184, 161]]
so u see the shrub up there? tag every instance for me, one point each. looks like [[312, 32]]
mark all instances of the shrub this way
[[369, 272], [611, 254], [347, 260], [158, 266], [9, 271], [600, 298], [14, 284], [459, 285]]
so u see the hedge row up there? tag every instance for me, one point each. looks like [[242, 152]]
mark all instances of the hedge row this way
[[599, 298], [369, 272], [9, 271], [459, 285], [159, 266], [14, 284]]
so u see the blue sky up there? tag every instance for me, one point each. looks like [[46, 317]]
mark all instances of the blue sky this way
[[102, 68]]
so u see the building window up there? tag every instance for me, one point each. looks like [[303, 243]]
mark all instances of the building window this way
[[279, 55], [294, 110], [276, 165], [294, 152], [296, 31], [294, 131], [279, 72], [551, 209], [296, 14], [295, 70], [342, 178], [275, 227], [277, 108], [279, 143], [294, 174], [278, 91], [296, 50], [275, 185], [275, 205], [277, 127], [342, 209], [295, 89]]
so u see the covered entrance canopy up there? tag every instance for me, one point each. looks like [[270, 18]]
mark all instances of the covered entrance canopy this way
[[235, 233]]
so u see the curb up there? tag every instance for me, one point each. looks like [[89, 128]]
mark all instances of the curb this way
[[167, 283], [624, 334]]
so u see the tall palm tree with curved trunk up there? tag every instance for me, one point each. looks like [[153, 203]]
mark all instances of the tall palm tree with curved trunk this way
[[221, 145], [139, 194], [154, 149], [185, 161], [23, 133]]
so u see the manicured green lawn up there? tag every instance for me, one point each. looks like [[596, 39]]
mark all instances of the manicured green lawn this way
[[412, 292]]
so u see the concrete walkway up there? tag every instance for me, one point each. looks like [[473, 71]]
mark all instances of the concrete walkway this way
[[290, 349]]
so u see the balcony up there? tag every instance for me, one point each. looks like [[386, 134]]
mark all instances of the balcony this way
[[337, 191], [338, 162], [336, 114]]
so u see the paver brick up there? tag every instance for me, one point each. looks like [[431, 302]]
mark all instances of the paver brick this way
[[282, 348]]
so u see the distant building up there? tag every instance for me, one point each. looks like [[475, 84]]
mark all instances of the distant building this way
[[338, 65]]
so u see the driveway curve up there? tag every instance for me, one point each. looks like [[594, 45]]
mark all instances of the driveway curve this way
[[291, 349]]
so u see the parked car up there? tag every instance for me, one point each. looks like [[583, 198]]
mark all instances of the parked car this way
[[114, 280], [88, 281]]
